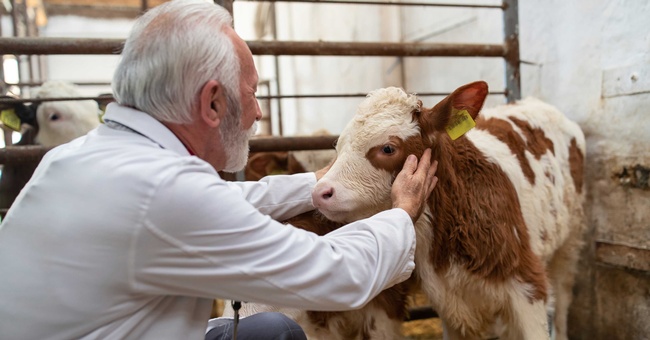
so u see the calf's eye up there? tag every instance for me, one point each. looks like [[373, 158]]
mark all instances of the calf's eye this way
[[54, 116], [388, 149]]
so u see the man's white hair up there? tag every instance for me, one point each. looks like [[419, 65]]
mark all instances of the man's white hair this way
[[171, 52]]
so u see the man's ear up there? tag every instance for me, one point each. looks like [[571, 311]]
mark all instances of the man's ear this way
[[212, 103]]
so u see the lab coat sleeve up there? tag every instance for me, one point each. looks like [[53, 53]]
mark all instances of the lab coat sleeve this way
[[201, 238], [279, 196]]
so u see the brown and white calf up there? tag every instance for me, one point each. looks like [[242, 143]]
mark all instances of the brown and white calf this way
[[499, 240]]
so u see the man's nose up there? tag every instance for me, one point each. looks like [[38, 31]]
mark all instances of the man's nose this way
[[258, 115]]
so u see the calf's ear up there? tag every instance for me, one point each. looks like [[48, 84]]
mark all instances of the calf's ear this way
[[469, 97]]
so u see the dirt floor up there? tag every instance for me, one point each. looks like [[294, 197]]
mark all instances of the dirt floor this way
[[427, 329]]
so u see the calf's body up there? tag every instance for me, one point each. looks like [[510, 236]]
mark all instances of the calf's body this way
[[498, 242]]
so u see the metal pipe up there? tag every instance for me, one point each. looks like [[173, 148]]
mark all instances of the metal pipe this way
[[58, 99], [34, 153], [276, 63], [80, 83], [389, 3], [294, 96], [228, 5], [512, 59], [359, 95], [374, 49], [311, 48]]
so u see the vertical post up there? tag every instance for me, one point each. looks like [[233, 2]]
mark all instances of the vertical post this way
[[16, 33], [3, 84], [6, 132], [276, 61], [144, 6], [227, 4], [511, 32], [25, 21]]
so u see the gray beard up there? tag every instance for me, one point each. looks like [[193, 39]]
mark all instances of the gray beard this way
[[235, 141]]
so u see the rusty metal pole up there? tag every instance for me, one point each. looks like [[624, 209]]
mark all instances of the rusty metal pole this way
[[227, 4], [276, 61], [513, 62], [16, 34], [306, 48]]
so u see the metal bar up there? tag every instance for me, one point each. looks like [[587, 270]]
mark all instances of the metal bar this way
[[276, 63], [16, 33], [58, 99], [227, 4], [306, 48], [375, 49], [294, 96], [81, 83], [22, 154], [34, 153], [358, 95], [144, 6], [511, 31], [265, 144], [60, 46], [389, 3]]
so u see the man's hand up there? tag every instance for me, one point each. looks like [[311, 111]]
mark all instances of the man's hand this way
[[414, 184]]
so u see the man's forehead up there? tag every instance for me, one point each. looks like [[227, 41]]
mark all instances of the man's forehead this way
[[244, 54]]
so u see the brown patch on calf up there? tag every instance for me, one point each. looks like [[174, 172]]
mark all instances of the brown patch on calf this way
[[504, 132], [315, 222], [576, 165], [394, 162], [262, 164], [477, 219], [536, 141]]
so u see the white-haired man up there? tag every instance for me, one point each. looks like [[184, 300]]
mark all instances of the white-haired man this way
[[129, 232]]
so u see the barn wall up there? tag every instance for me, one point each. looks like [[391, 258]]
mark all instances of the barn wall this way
[[593, 61]]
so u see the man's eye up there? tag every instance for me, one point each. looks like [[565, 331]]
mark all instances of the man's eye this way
[[388, 149]]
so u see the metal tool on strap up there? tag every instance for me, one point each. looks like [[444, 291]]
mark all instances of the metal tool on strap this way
[[236, 305]]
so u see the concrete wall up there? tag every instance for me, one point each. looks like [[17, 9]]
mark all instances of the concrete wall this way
[[592, 60]]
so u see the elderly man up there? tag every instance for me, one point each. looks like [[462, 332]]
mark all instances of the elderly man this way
[[130, 233]]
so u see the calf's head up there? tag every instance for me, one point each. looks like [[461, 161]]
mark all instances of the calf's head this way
[[388, 126]]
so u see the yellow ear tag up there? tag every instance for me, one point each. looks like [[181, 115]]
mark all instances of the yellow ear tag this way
[[10, 119], [459, 123], [102, 112]]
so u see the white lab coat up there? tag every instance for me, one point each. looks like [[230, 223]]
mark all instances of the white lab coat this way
[[122, 234]]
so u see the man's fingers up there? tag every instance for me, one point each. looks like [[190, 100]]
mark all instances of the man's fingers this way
[[411, 164], [433, 184], [425, 160]]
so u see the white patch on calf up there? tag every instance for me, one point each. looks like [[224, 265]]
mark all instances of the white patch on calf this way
[[62, 121]]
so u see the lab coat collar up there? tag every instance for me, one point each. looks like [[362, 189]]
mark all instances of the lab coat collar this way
[[145, 125]]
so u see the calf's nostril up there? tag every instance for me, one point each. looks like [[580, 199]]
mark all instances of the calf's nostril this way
[[328, 193]]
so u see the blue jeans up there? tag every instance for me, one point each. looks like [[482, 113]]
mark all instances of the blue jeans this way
[[261, 326]]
